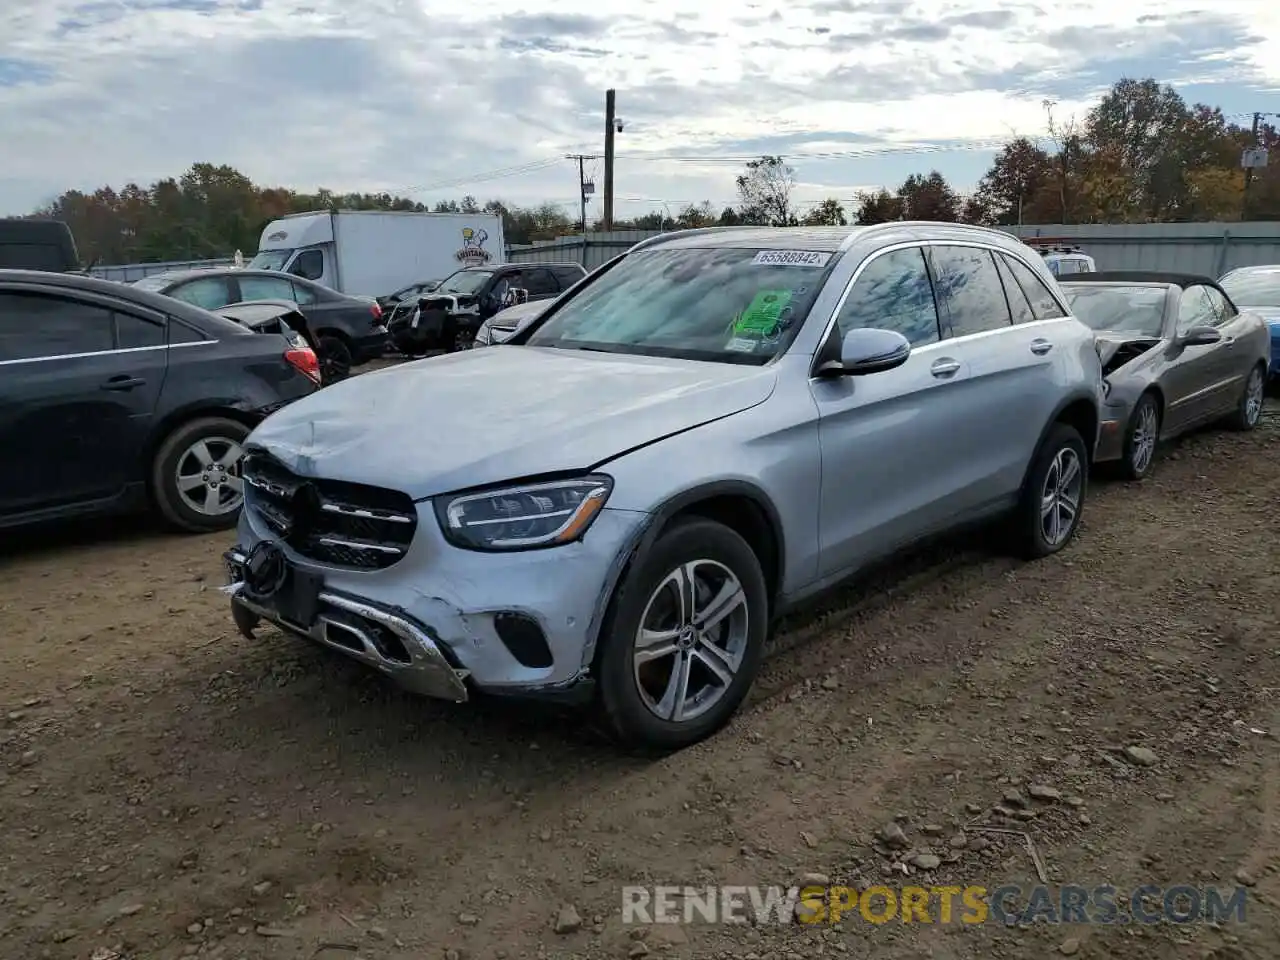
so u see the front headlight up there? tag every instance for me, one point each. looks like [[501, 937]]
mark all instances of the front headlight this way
[[524, 517]]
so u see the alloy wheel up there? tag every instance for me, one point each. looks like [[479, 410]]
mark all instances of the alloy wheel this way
[[1060, 497], [1145, 432], [208, 476], [691, 642]]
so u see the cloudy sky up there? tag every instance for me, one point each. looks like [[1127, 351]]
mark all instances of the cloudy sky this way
[[437, 98]]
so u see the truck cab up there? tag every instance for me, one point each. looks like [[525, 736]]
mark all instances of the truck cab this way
[[302, 246], [37, 245]]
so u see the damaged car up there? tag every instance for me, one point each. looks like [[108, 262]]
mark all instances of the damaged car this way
[[1176, 354], [449, 317], [613, 507]]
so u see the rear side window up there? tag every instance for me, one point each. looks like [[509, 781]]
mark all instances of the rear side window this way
[[970, 295], [538, 282], [181, 333], [211, 293], [567, 276], [133, 332], [893, 292], [1019, 305], [34, 326], [303, 294], [265, 288], [1043, 304]]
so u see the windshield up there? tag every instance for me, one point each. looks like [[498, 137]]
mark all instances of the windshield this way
[[270, 260], [726, 304], [1138, 310], [1253, 288], [465, 282]]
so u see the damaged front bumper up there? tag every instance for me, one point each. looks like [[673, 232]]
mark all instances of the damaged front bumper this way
[[436, 622]]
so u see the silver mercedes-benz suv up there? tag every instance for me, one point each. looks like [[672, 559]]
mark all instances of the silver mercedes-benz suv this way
[[617, 502]]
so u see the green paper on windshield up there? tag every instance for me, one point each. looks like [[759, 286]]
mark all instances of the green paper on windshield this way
[[763, 315]]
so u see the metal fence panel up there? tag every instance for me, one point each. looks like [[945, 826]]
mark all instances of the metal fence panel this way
[[128, 272]]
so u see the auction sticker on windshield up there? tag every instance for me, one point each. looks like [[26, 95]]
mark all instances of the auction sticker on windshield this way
[[792, 258]]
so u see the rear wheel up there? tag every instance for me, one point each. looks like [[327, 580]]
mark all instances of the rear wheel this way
[[1248, 412], [684, 638], [195, 476], [1141, 437], [1048, 514], [335, 359]]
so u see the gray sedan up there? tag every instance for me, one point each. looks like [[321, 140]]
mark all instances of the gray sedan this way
[[1176, 353]]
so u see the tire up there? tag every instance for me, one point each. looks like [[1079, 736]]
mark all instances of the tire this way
[[630, 698], [181, 452], [1141, 438], [336, 359], [1060, 447], [1248, 411]]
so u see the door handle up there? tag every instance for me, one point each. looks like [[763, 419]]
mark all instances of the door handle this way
[[1040, 346], [944, 367], [123, 383]]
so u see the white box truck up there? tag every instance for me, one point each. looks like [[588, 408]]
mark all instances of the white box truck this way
[[372, 253]]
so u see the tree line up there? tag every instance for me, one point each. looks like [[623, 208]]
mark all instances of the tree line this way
[[1141, 155]]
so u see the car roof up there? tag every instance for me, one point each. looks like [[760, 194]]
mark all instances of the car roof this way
[[824, 239], [1140, 277], [176, 275], [160, 303]]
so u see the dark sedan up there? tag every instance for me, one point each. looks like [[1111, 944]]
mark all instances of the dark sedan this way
[[113, 397], [349, 330], [1176, 354]]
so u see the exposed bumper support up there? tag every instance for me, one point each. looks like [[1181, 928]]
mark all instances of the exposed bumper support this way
[[379, 638]]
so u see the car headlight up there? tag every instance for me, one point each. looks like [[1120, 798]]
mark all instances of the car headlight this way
[[523, 517]]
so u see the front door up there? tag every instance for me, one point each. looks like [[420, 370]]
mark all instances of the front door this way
[[885, 438], [1199, 376]]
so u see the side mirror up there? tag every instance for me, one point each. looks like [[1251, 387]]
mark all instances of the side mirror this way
[[1200, 337], [867, 350]]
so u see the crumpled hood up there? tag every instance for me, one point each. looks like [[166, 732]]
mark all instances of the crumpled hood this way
[[480, 417], [1109, 342]]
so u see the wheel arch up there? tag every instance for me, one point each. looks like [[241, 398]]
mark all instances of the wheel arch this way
[[183, 415], [1080, 411], [738, 504]]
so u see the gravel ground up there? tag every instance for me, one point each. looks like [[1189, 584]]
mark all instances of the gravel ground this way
[[170, 789]]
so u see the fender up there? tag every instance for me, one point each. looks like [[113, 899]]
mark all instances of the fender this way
[[1091, 443], [653, 527]]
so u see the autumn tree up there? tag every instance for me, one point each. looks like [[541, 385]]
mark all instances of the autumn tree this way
[[878, 207], [828, 213], [928, 197], [764, 191], [1013, 189]]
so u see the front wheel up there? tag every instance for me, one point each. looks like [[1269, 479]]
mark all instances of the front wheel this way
[[684, 639], [1048, 513], [1141, 438], [195, 476], [1248, 412]]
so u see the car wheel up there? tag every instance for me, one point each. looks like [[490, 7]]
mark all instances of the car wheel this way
[[335, 359], [1248, 412], [195, 477], [684, 639], [1141, 438], [1052, 499], [463, 339]]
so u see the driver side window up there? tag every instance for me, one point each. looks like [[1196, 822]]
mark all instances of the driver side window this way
[[309, 265], [893, 292], [1194, 310]]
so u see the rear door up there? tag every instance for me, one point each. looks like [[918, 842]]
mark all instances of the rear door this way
[[80, 377], [1007, 395]]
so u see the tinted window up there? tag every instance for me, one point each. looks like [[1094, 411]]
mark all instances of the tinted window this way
[[1019, 306], [539, 283], [265, 288], [1043, 304], [309, 265], [969, 292], [181, 333], [893, 292], [1222, 309], [208, 292], [133, 332], [34, 326], [1195, 310], [302, 294], [567, 276]]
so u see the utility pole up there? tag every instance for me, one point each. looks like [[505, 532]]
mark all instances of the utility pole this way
[[585, 189], [610, 121], [1248, 171]]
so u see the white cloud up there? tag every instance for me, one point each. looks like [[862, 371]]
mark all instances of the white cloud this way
[[409, 95]]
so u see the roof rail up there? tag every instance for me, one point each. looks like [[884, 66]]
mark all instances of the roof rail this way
[[694, 232]]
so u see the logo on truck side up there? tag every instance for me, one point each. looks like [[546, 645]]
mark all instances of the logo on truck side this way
[[473, 252]]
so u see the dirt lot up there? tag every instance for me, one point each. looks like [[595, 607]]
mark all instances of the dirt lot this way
[[169, 789]]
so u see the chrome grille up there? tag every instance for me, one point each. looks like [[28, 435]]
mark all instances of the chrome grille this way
[[330, 521]]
